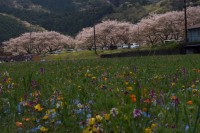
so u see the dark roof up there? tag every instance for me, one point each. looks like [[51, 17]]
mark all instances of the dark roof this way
[[193, 45], [196, 26]]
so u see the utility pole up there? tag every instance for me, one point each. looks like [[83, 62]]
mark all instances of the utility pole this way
[[94, 31], [30, 40], [185, 18]]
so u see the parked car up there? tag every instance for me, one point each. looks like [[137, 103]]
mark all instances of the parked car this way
[[125, 46], [70, 50], [55, 52], [134, 45]]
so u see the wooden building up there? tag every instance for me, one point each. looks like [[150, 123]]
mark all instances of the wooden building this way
[[193, 45]]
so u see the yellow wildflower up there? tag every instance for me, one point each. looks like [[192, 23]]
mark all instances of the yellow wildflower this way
[[98, 118], [21, 99], [193, 86], [89, 75], [147, 130], [94, 130], [173, 84], [43, 129], [126, 83], [105, 79], [194, 90], [107, 116], [94, 78], [50, 111], [125, 117], [38, 107], [153, 126], [129, 88], [8, 80], [45, 117], [91, 121]]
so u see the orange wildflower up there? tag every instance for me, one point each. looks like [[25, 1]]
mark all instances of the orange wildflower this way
[[173, 97], [147, 100], [144, 109], [18, 124], [133, 98], [26, 119], [190, 102]]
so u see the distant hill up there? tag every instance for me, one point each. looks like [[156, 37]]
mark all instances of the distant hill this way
[[65, 20], [12, 27], [70, 16]]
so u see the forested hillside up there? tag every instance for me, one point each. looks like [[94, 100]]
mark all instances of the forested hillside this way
[[70, 16], [10, 28], [65, 21]]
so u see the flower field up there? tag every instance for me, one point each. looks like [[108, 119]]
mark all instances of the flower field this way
[[127, 95]]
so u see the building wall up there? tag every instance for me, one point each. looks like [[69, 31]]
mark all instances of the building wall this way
[[194, 35]]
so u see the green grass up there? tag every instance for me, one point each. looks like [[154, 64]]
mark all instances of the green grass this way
[[72, 55], [90, 54], [70, 93]]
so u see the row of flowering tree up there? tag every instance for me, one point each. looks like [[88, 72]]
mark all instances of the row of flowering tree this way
[[108, 33], [152, 30], [38, 43]]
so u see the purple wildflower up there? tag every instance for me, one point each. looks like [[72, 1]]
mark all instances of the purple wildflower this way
[[152, 94], [137, 113], [126, 93], [34, 83], [42, 70]]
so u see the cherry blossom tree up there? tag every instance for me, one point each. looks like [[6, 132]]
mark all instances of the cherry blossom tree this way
[[168, 26], [193, 15], [38, 43], [108, 34], [148, 29], [84, 39]]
